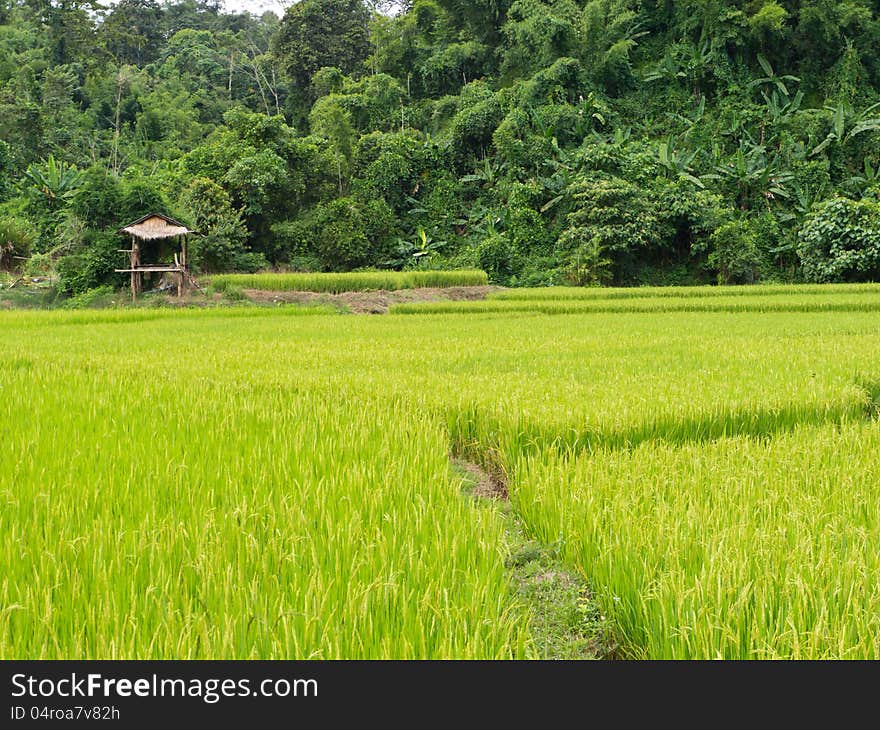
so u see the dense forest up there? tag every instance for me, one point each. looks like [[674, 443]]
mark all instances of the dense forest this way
[[545, 141]]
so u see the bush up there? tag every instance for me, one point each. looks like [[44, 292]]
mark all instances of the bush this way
[[249, 262], [140, 197], [392, 166], [677, 275], [537, 271], [292, 240], [93, 266], [496, 256], [221, 247], [228, 290], [73, 274], [588, 264], [841, 242], [304, 264], [621, 216], [472, 128], [349, 234], [90, 297], [734, 254], [17, 238], [528, 231], [5, 168], [40, 264], [98, 199]]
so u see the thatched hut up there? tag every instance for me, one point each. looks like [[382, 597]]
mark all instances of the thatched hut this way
[[155, 227]]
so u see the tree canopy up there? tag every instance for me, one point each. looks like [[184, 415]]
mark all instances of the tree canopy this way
[[547, 141]]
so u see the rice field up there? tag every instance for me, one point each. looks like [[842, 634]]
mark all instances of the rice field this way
[[740, 548], [680, 292], [867, 300], [275, 483], [345, 282]]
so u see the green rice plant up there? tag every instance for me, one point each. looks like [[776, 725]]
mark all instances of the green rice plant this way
[[681, 292], [867, 301], [248, 482], [30, 320], [354, 281], [742, 548], [196, 514]]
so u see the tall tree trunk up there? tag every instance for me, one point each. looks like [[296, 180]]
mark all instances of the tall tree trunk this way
[[120, 85], [274, 89]]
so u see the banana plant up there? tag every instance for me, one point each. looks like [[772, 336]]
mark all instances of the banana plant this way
[[54, 179], [846, 123], [425, 244], [678, 164], [699, 63], [751, 172], [590, 111], [487, 175], [693, 121], [781, 106], [557, 171], [667, 69], [772, 78], [684, 62], [869, 178], [412, 251], [620, 136]]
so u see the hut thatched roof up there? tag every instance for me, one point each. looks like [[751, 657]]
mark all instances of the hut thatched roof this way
[[153, 226]]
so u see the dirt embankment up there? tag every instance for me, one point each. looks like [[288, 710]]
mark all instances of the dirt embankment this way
[[372, 302]]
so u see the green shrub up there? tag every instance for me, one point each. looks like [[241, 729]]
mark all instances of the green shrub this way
[[496, 256], [472, 128], [89, 298], [734, 254], [221, 247], [17, 238], [617, 213], [73, 274], [39, 264], [140, 197], [841, 242], [538, 271], [305, 263], [393, 165], [249, 262], [229, 291], [98, 199], [5, 169], [350, 234], [588, 264], [91, 267], [293, 239]]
